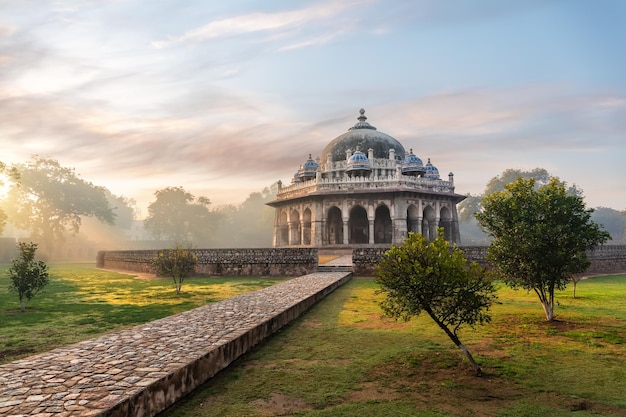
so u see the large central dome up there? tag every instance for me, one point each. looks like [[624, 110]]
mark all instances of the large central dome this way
[[363, 136]]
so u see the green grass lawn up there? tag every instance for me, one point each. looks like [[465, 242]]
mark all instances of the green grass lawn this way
[[81, 302], [343, 359]]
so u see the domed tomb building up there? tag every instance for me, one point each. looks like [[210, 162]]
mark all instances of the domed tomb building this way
[[365, 190]]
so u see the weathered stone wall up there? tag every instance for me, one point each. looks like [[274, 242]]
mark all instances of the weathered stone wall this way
[[364, 260], [283, 262], [604, 260], [608, 259]]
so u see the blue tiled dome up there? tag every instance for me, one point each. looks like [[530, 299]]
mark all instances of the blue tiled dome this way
[[431, 171], [308, 170], [412, 165], [358, 164], [310, 166], [296, 178]]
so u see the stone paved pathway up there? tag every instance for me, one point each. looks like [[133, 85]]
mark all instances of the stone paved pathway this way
[[96, 377]]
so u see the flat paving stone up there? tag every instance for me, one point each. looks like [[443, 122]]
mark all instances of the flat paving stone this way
[[93, 376]]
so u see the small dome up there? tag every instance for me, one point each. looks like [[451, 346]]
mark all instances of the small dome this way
[[431, 171], [363, 136], [310, 165], [358, 164], [412, 165], [296, 178], [309, 169]]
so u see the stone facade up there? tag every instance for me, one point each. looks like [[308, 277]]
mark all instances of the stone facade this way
[[355, 198], [281, 262]]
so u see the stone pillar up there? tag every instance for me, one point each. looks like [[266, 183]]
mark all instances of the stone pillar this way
[[456, 233], [275, 241], [437, 218], [399, 230], [345, 232], [371, 232]]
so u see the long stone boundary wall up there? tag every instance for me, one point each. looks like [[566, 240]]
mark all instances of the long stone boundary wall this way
[[140, 371], [281, 262], [606, 259]]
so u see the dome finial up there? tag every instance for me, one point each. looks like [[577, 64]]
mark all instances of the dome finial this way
[[362, 117], [362, 124]]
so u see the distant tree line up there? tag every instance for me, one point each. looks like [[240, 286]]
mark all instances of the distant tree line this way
[[54, 205], [613, 221]]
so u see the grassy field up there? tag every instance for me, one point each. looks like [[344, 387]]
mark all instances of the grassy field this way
[[82, 302], [342, 359]]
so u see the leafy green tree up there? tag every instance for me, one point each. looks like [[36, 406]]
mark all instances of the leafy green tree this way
[[435, 277], [499, 182], [28, 276], [178, 262], [540, 235], [49, 199], [179, 216]]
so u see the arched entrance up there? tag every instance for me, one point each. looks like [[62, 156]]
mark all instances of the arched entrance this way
[[429, 226], [294, 228], [283, 229], [334, 226], [412, 219], [383, 231], [359, 226], [445, 221], [306, 223]]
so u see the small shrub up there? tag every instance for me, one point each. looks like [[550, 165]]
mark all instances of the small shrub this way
[[28, 276], [178, 262]]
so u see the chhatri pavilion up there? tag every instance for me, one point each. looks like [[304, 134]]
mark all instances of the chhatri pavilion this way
[[365, 190]]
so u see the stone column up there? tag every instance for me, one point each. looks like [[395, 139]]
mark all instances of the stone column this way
[[275, 238], [371, 232], [345, 232], [302, 232]]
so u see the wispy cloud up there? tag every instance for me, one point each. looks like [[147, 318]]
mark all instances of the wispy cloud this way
[[259, 22]]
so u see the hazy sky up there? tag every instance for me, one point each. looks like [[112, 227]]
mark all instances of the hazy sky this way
[[227, 97]]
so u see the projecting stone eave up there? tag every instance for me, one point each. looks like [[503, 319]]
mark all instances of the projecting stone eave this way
[[455, 198]]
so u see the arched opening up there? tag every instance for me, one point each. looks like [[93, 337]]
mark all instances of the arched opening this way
[[359, 226], [429, 226], [294, 228], [383, 231], [445, 221], [334, 226], [306, 224], [283, 229], [412, 219]]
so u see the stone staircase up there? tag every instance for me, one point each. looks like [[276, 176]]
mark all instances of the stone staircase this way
[[341, 264]]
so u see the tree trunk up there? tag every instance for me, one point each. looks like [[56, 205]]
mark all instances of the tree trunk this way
[[470, 358], [548, 308], [547, 302], [22, 305], [460, 345]]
